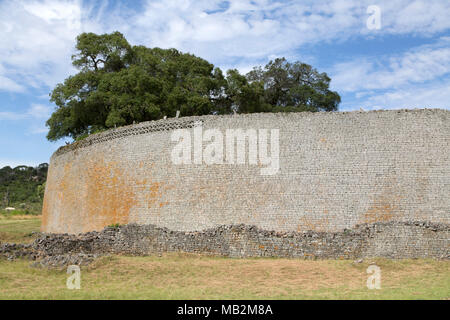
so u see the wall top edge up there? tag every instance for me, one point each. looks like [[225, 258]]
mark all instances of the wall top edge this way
[[188, 122]]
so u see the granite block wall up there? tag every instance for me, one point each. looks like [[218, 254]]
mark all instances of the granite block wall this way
[[336, 170]]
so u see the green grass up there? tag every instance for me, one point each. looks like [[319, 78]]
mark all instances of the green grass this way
[[16, 212], [18, 228], [189, 276], [182, 276]]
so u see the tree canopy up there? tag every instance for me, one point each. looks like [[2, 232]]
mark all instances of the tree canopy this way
[[119, 84], [23, 186]]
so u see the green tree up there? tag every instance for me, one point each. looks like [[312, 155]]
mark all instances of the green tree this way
[[23, 185], [245, 96], [295, 87], [41, 191], [119, 84]]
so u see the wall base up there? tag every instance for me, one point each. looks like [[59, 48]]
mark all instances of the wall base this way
[[395, 240]]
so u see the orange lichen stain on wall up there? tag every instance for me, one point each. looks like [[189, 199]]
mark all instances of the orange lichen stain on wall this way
[[162, 204], [385, 203], [110, 196], [384, 208], [45, 213], [64, 196], [315, 224], [61, 199], [379, 213], [153, 195], [152, 192], [281, 222], [87, 196], [48, 199]]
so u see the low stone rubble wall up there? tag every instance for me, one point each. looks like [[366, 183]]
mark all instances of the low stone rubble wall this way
[[395, 240]]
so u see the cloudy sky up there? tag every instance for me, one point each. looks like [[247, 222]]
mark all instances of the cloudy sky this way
[[403, 64]]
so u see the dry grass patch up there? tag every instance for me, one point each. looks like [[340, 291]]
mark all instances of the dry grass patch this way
[[198, 277], [190, 276], [19, 228], [20, 217], [184, 276]]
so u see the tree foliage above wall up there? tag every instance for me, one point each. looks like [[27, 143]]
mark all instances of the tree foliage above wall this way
[[119, 84]]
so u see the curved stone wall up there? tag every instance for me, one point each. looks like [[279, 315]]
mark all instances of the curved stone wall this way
[[336, 170]]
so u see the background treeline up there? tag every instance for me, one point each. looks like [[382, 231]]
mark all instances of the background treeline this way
[[23, 188], [119, 84]]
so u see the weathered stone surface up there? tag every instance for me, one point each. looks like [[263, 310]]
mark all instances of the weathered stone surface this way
[[337, 170], [64, 260], [383, 239]]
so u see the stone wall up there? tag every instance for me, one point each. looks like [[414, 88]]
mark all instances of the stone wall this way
[[382, 239], [337, 170]]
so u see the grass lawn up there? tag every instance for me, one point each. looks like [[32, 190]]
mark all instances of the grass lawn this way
[[188, 276], [18, 228]]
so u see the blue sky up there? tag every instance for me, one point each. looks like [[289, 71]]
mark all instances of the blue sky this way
[[403, 64]]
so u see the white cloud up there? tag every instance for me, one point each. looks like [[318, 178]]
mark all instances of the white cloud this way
[[35, 115], [417, 78], [7, 84], [419, 17], [37, 41], [8, 115], [257, 29], [35, 111], [435, 95], [38, 129], [39, 111], [38, 36], [54, 11], [422, 64], [246, 29]]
